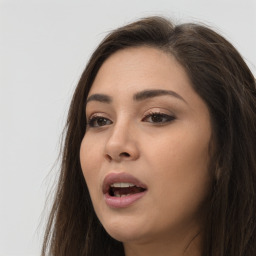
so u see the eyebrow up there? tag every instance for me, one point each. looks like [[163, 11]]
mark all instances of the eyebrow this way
[[143, 95], [139, 96], [99, 97]]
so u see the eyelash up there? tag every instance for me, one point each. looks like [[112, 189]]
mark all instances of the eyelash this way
[[93, 119], [168, 118]]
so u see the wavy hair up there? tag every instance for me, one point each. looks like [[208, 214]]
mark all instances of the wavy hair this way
[[222, 79]]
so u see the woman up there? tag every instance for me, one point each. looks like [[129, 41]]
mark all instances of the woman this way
[[159, 155]]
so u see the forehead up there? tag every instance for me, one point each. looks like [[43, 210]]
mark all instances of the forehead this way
[[135, 69]]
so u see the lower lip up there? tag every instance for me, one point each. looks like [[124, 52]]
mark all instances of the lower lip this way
[[122, 202]]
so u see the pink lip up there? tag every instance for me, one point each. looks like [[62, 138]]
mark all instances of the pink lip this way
[[121, 202]]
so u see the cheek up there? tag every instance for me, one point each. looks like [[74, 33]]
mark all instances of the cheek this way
[[179, 152], [90, 162], [181, 164]]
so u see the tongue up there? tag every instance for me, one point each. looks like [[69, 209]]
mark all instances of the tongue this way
[[125, 191]]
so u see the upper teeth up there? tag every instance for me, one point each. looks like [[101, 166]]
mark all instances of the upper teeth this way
[[122, 185]]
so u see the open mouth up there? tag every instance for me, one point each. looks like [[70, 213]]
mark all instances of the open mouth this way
[[122, 189]]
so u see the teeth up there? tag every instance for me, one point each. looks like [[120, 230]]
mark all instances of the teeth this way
[[118, 195], [121, 185]]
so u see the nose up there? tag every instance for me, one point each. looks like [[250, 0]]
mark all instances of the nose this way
[[122, 144]]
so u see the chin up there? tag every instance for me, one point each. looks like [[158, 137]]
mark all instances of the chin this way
[[124, 236], [125, 231]]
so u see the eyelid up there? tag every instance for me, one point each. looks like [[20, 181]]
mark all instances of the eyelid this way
[[96, 116], [169, 117], [159, 110]]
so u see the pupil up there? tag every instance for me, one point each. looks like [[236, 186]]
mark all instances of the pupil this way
[[101, 121], [156, 118]]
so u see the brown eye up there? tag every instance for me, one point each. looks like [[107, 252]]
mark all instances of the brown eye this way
[[158, 118], [99, 121]]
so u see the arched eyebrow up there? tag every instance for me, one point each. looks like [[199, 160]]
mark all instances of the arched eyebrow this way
[[146, 94], [139, 96], [99, 97]]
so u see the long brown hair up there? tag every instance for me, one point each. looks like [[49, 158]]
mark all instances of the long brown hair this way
[[219, 75]]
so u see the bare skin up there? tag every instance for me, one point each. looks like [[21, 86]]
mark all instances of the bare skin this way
[[162, 140]]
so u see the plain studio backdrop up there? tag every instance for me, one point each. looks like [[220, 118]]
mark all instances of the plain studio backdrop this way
[[44, 46]]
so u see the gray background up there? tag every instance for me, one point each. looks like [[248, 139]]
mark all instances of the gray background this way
[[44, 46]]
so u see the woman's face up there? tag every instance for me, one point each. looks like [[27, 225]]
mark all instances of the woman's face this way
[[145, 152]]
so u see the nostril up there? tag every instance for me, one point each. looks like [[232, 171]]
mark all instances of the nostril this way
[[124, 154], [118, 157], [108, 157]]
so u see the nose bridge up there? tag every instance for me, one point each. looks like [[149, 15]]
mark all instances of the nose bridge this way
[[120, 134], [121, 130], [121, 142]]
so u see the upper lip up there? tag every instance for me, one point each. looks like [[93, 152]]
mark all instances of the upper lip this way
[[120, 177]]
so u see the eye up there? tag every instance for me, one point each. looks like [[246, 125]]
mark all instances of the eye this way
[[98, 121], [158, 118]]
